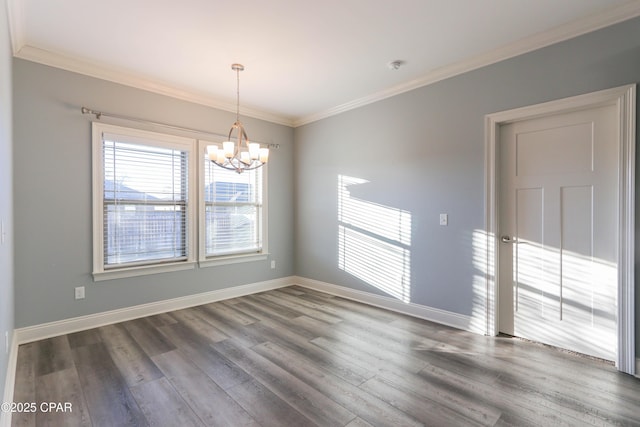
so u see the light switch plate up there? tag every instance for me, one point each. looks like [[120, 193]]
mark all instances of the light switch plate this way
[[444, 219]]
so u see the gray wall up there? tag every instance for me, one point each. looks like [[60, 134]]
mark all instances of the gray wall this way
[[422, 152], [6, 198], [52, 177]]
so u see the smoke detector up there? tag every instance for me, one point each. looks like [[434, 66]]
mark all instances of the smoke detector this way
[[394, 65]]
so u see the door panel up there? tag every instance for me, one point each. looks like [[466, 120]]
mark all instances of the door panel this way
[[572, 147], [577, 254], [559, 204], [529, 264]]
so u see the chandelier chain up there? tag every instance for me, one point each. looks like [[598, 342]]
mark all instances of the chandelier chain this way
[[237, 94]]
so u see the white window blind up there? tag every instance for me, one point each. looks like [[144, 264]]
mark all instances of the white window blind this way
[[145, 201], [233, 211]]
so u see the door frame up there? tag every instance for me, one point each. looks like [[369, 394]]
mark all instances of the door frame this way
[[624, 98]]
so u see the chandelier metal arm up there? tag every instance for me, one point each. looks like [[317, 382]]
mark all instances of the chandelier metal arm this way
[[242, 136]]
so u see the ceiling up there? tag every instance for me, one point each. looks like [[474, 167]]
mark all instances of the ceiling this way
[[304, 60]]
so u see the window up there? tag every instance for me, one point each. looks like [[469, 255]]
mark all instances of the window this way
[[143, 208], [232, 216]]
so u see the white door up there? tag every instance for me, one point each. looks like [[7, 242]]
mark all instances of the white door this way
[[558, 228]]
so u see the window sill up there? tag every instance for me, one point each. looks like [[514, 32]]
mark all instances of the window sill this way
[[233, 259], [142, 271]]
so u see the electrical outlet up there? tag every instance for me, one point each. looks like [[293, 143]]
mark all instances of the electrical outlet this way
[[273, 264], [444, 219], [80, 292]]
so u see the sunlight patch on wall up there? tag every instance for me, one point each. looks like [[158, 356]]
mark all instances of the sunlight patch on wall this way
[[374, 242], [481, 257]]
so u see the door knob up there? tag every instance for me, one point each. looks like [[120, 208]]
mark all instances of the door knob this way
[[507, 239]]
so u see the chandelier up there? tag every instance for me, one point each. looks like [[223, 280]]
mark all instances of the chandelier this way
[[240, 155]]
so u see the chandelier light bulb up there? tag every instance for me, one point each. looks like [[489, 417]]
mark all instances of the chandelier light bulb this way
[[229, 148], [264, 155]]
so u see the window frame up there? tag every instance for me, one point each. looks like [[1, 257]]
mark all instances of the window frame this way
[[211, 261], [154, 139]]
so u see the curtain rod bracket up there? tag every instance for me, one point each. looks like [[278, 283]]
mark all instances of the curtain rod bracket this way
[[86, 110]]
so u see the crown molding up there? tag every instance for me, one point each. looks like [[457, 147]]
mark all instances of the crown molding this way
[[139, 81], [576, 28], [15, 13], [564, 32]]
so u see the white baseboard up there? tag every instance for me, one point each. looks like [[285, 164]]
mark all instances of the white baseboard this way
[[436, 315], [637, 374], [10, 380], [76, 324]]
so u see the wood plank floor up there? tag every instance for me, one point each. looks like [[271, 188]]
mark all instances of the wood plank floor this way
[[297, 357]]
